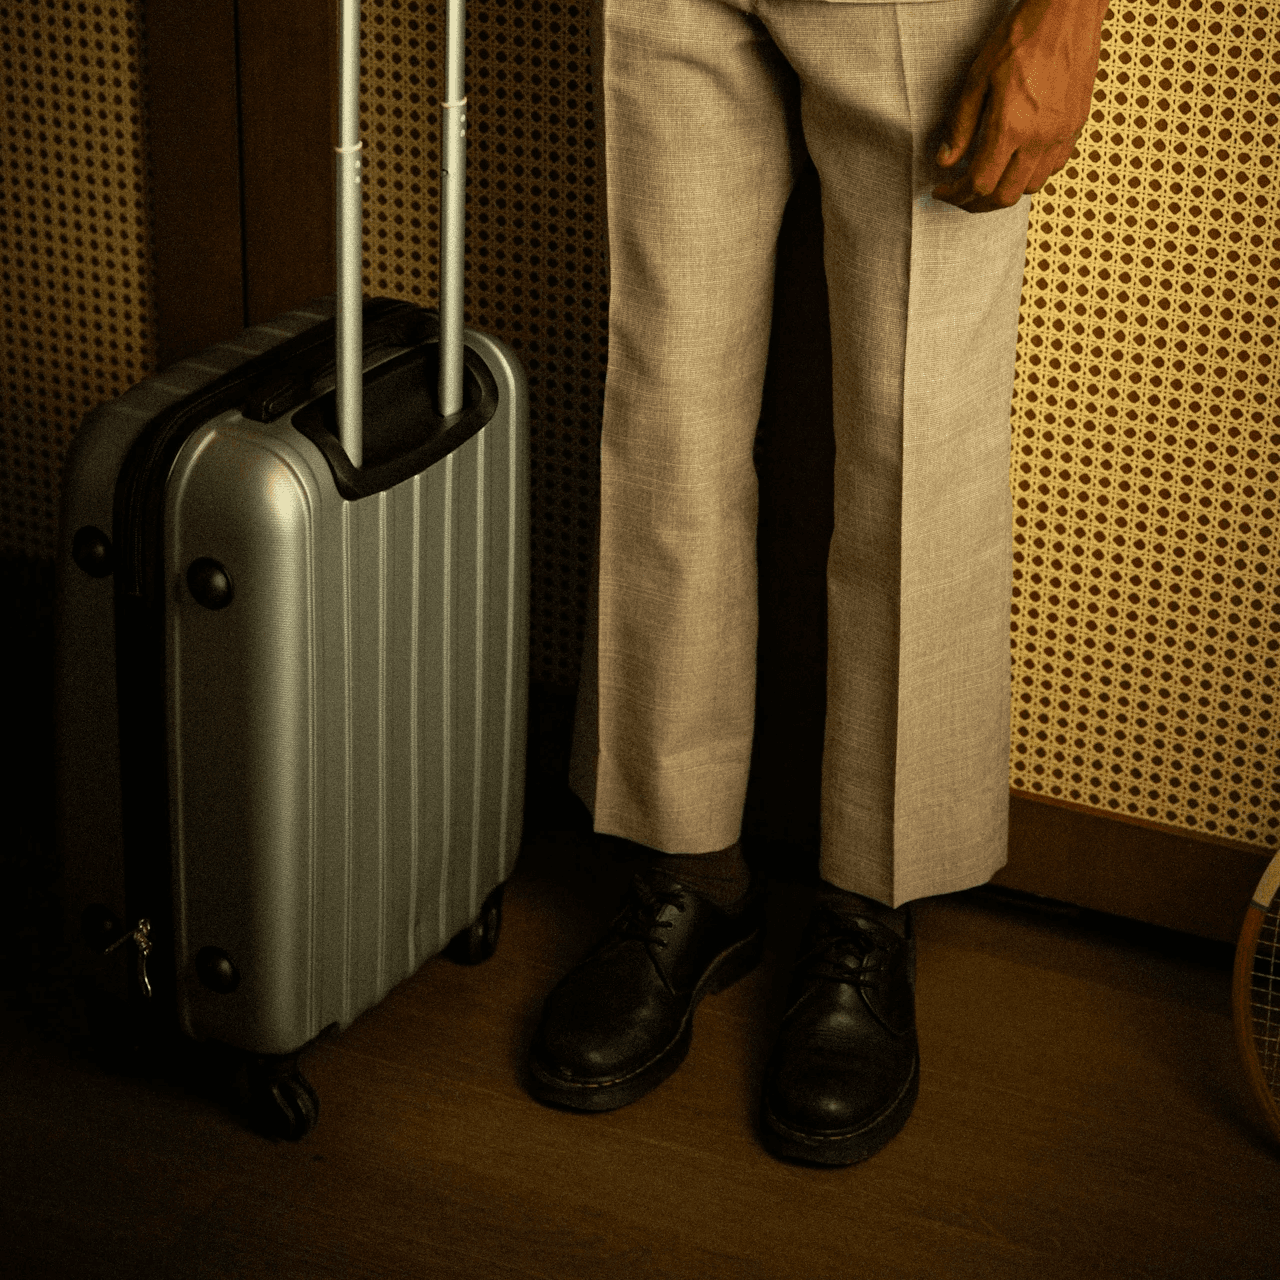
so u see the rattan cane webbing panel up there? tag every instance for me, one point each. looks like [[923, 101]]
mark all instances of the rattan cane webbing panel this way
[[1146, 438], [76, 325], [535, 256]]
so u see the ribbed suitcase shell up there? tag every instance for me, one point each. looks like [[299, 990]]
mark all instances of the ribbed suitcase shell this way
[[346, 740]]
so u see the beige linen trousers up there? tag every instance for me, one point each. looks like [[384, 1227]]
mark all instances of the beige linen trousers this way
[[707, 108]]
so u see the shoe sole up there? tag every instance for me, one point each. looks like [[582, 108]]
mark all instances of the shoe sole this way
[[846, 1148], [731, 964]]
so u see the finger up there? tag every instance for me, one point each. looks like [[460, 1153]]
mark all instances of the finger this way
[[1022, 170], [1053, 162], [986, 203], [964, 120], [985, 170]]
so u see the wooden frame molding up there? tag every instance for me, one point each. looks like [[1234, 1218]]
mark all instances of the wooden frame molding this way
[[1129, 867], [195, 174]]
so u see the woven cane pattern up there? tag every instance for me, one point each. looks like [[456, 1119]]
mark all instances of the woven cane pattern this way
[[1145, 436], [76, 324]]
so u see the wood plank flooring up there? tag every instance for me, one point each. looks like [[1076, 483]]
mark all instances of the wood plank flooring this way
[[1081, 1113]]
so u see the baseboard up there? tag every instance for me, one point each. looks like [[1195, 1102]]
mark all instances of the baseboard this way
[[1146, 871]]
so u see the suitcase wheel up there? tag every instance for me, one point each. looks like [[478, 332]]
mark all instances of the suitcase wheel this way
[[281, 1100], [479, 940]]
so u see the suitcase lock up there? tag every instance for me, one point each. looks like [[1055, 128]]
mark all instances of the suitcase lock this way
[[141, 936]]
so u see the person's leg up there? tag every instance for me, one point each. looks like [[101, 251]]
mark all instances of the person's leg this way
[[924, 315], [924, 312], [701, 130], [701, 127]]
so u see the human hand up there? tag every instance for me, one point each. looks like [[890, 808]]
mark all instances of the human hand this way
[[1025, 101]]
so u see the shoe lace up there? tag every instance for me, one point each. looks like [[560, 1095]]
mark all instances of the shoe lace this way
[[843, 954], [639, 917]]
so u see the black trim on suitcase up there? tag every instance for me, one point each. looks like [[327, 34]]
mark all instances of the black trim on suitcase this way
[[144, 795]]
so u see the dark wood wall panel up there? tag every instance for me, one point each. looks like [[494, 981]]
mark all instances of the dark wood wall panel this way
[[193, 150]]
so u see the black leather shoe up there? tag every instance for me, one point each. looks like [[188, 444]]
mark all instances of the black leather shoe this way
[[843, 1075], [621, 1021]]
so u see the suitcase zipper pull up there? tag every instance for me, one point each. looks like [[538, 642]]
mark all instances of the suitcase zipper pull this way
[[141, 936]]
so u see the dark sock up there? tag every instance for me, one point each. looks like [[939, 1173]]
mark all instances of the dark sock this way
[[723, 876], [843, 901]]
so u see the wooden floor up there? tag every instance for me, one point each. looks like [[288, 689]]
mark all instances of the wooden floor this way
[[1081, 1113]]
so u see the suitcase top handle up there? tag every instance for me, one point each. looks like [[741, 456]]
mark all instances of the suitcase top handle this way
[[350, 214]]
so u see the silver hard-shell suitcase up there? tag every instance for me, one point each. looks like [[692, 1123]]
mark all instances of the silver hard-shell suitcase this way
[[292, 656]]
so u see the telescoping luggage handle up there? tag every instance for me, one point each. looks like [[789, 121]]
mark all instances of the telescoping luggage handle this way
[[453, 182]]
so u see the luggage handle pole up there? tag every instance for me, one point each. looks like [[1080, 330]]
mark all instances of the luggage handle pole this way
[[453, 213], [350, 213]]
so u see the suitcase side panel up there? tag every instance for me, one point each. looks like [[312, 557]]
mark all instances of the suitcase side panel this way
[[500, 677], [509, 585], [90, 838], [242, 715], [89, 817]]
